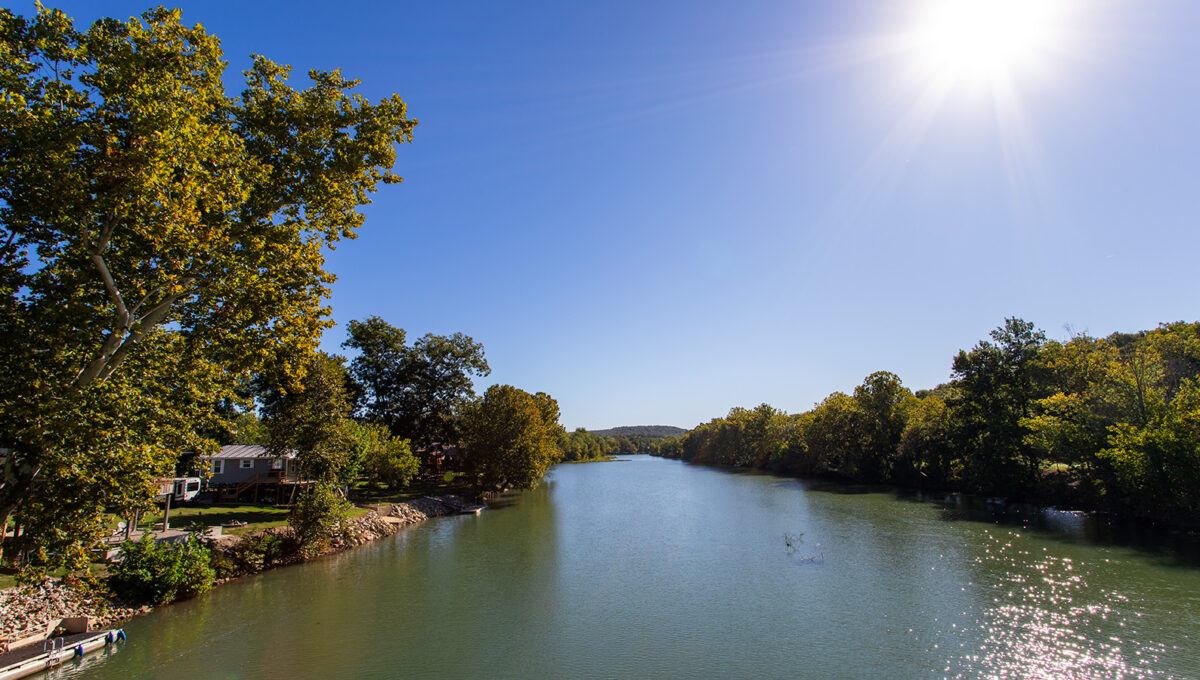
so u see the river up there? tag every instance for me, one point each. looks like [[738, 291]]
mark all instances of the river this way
[[652, 568]]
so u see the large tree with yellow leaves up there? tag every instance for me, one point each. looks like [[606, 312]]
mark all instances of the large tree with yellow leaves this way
[[159, 241]]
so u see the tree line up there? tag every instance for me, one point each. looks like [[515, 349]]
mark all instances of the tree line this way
[[1110, 423]]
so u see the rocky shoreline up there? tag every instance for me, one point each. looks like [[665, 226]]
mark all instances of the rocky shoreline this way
[[27, 610]]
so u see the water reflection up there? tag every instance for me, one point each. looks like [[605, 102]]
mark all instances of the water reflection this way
[[659, 569], [1049, 616], [1169, 545]]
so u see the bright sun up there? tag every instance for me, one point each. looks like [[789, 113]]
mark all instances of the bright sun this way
[[985, 38]]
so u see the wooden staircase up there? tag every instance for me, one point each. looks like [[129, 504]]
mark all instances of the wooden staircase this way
[[264, 477]]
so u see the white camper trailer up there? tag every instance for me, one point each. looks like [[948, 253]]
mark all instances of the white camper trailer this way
[[178, 488]]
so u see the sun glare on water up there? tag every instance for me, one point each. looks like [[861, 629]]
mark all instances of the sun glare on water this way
[[985, 38]]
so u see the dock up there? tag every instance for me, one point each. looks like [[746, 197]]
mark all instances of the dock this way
[[37, 657]]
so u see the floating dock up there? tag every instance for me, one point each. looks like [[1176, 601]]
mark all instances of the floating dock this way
[[42, 656]]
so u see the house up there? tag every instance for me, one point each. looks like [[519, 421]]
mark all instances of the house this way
[[438, 458], [248, 472]]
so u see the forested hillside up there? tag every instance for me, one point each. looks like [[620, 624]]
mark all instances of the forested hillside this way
[[643, 431]]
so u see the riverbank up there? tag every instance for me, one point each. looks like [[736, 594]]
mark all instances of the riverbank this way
[[1055, 489], [656, 569], [28, 610]]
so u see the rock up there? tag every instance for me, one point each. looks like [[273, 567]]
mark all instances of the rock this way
[[27, 610]]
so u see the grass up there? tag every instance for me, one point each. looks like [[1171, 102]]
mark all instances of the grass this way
[[256, 517], [365, 493]]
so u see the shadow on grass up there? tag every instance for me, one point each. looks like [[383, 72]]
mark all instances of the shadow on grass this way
[[367, 494], [218, 515]]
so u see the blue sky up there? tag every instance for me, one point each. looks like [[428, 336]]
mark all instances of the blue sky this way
[[655, 211]]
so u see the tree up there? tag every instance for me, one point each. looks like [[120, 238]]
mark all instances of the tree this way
[[317, 517], [998, 385], [416, 391], [927, 449], [386, 459], [312, 418], [1158, 463], [506, 442], [831, 435], [159, 241], [880, 400]]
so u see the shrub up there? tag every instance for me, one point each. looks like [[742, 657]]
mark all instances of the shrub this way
[[255, 552], [157, 573], [317, 516]]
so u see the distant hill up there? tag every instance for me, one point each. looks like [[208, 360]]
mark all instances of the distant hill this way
[[647, 431]]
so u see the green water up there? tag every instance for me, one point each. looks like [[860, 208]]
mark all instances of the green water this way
[[655, 569]]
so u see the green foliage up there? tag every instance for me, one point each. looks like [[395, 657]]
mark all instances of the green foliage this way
[[254, 553], [1157, 464], [162, 241], [248, 429], [157, 573], [507, 442], [1112, 422], [311, 416], [386, 460], [582, 445], [928, 449], [641, 432], [998, 384], [317, 517], [417, 391]]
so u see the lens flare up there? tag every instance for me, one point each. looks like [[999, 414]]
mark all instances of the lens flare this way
[[985, 37]]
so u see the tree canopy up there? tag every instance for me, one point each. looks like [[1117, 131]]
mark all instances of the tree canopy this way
[[417, 391], [509, 438], [1112, 423], [159, 241]]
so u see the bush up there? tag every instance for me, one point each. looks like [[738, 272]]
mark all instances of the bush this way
[[255, 552], [157, 573], [317, 517], [386, 460]]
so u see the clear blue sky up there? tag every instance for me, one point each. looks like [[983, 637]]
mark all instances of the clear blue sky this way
[[655, 211]]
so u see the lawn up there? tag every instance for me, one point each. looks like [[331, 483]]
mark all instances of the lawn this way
[[256, 517], [365, 493]]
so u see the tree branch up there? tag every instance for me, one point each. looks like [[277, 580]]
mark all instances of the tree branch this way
[[112, 343], [152, 318]]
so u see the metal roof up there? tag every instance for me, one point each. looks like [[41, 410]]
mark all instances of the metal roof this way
[[247, 451]]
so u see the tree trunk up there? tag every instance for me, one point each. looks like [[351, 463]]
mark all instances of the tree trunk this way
[[13, 490], [5, 513]]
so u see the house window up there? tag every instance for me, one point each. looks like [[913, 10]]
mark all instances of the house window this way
[[277, 464], [218, 467], [247, 463]]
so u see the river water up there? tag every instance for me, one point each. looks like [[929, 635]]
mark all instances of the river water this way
[[652, 568]]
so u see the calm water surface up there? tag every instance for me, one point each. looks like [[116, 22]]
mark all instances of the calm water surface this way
[[656, 569]]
